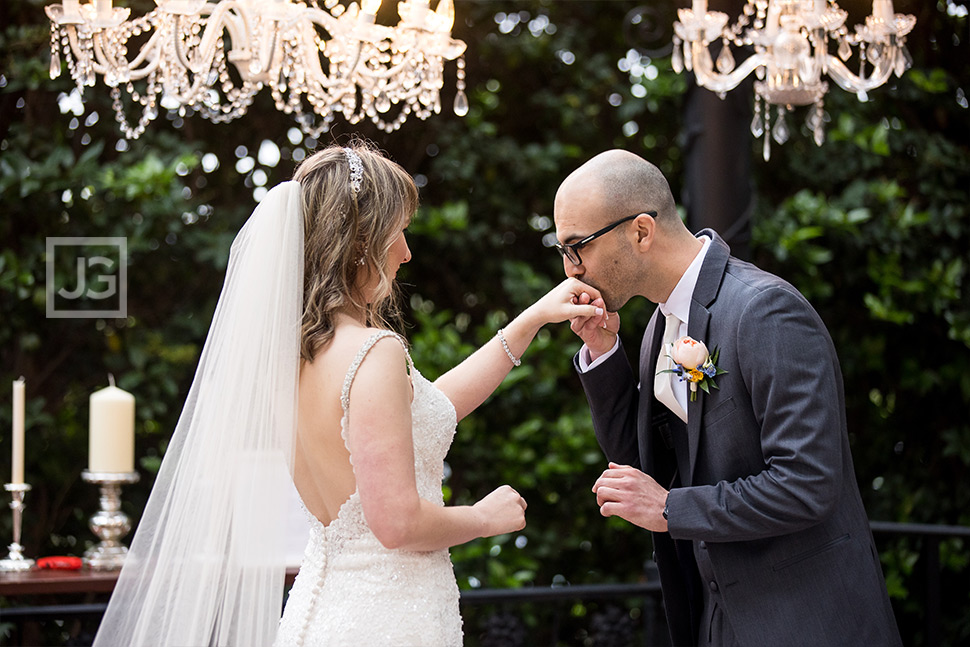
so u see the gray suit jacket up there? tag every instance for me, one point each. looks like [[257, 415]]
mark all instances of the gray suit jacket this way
[[769, 486]]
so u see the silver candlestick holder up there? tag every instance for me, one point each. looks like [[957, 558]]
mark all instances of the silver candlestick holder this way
[[109, 523], [15, 560]]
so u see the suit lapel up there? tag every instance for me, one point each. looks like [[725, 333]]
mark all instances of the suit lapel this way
[[698, 327], [700, 319], [649, 350]]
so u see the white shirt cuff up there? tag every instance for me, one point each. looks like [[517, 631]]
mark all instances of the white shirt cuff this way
[[585, 365]]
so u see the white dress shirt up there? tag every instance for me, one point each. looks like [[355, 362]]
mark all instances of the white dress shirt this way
[[677, 303]]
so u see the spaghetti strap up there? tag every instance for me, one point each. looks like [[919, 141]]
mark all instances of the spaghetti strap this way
[[352, 373]]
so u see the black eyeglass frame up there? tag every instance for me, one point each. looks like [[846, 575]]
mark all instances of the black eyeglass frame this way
[[568, 250]]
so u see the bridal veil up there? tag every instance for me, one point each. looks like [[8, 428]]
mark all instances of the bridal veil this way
[[207, 563]]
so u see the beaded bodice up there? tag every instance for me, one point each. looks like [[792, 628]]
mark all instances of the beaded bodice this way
[[353, 590]]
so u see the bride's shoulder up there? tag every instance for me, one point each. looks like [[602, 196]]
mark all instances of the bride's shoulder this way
[[375, 345]]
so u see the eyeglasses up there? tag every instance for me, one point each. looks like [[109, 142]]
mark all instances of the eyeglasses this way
[[571, 250]]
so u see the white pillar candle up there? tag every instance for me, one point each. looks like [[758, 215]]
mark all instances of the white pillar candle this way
[[111, 431], [17, 462], [699, 8]]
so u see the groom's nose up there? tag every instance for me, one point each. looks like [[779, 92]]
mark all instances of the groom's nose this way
[[571, 269]]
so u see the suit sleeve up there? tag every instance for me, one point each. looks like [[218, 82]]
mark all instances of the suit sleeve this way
[[611, 390], [791, 372]]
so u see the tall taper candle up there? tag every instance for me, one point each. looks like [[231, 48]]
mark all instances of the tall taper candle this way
[[111, 431], [17, 467]]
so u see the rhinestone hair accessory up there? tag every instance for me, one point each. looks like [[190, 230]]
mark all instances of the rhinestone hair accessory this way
[[356, 170]]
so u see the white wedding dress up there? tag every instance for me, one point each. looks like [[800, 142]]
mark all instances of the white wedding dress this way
[[350, 589]]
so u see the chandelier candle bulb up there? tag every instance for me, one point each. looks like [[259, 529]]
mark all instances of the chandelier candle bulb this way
[[104, 9], [17, 462], [419, 13], [370, 7], [883, 11], [111, 430], [699, 8]]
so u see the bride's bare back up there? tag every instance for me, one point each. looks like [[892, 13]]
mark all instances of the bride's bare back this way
[[324, 476]]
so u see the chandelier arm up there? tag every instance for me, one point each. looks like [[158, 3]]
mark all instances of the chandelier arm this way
[[304, 21], [384, 73], [851, 82], [80, 54], [192, 95], [333, 25], [311, 62], [104, 62], [717, 82], [218, 20], [265, 66], [317, 15], [180, 54], [239, 26], [96, 62], [154, 43], [392, 70]]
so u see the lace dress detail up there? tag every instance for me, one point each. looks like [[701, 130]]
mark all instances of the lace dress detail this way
[[351, 590]]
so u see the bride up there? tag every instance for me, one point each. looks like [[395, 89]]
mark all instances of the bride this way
[[302, 378]]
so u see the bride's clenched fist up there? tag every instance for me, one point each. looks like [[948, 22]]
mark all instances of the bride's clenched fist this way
[[501, 511]]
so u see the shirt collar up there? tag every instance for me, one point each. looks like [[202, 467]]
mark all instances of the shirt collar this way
[[678, 302]]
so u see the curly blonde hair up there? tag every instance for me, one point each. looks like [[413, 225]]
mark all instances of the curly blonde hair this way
[[347, 237]]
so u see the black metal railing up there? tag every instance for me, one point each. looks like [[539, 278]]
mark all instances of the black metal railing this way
[[495, 616], [931, 536], [615, 622]]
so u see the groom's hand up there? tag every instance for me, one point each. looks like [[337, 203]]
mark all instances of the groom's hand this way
[[628, 493], [598, 333]]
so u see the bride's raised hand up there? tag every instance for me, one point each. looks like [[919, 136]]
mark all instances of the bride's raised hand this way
[[569, 300], [598, 333], [501, 511]]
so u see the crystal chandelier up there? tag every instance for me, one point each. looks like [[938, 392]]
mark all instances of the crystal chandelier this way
[[791, 41], [213, 57]]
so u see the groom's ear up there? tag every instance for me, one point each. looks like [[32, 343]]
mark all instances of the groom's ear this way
[[646, 230]]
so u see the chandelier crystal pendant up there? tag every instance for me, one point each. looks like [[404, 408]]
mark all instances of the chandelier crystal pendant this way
[[791, 40], [214, 56]]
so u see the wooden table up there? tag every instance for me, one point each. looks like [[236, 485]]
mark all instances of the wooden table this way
[[39, 598], [76, 598], [54, 582]]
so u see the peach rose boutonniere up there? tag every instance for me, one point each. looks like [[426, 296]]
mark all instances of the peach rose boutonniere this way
[[693, 362]]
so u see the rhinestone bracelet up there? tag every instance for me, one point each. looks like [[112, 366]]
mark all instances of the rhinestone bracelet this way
[[515, 360]]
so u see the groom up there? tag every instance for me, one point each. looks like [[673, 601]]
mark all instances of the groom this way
[[760, 535]]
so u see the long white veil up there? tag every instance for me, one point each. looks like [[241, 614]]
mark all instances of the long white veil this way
[[207, 563]]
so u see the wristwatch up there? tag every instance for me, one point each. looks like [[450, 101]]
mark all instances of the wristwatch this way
[[664, 513]]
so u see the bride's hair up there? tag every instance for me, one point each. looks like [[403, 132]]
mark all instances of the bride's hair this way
[[348, 237]]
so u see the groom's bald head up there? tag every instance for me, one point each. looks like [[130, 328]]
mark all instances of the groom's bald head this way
[[620, 184]]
